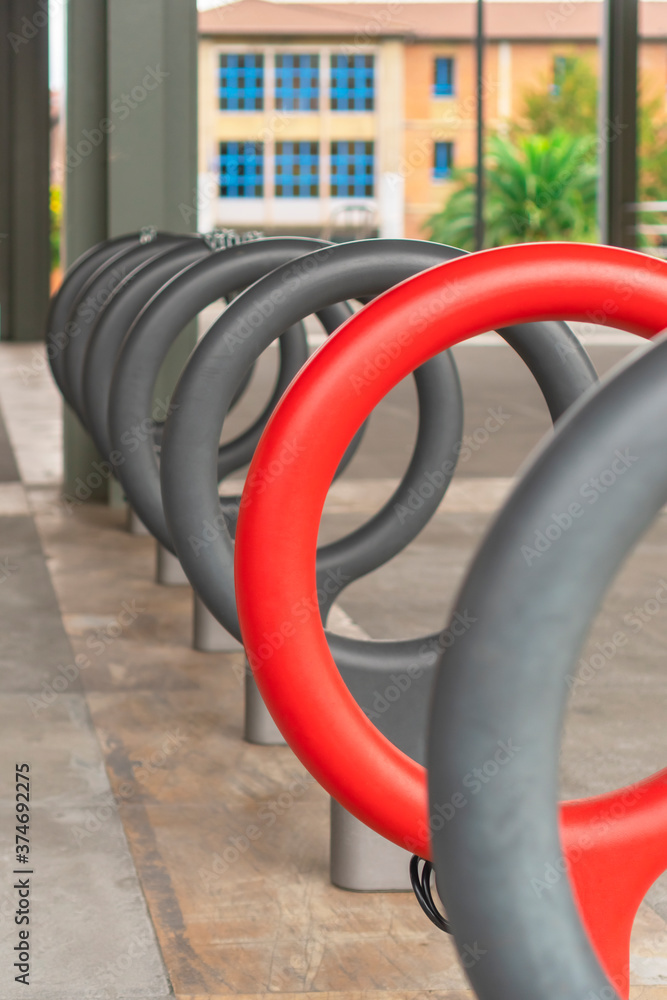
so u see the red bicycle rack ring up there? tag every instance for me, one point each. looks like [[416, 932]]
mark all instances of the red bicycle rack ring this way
[[615, 845]]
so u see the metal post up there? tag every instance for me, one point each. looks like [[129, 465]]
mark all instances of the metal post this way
[[258, 725], [132, 148], [168, 570], [618, 123], [85, 184], [479, 190], [208, 635], [5, 170], [153, 145], [24, 169], [363, 861]]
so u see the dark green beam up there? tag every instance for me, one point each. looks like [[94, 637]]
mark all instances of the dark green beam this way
[[131, 140], [85, 221], [24, 169]]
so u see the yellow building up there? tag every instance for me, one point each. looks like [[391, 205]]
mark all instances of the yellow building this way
[[344, 119]]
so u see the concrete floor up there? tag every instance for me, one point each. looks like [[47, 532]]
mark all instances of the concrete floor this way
[[141, 782]]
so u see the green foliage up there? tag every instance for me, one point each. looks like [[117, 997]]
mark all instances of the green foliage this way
[[652, 150], [541, 181], [537, 188], [569, 105], [56, 213]]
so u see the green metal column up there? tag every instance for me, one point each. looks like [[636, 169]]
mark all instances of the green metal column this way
[[132, 140], [25, 253], [85, 220], [153, 145], [5, 171]]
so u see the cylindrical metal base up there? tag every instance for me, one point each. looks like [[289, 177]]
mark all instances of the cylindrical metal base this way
[[259, 726], [208, 635], [134, 523], [362, 860], [168, 570]]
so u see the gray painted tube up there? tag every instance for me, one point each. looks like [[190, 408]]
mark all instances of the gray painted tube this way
[[61, 304], [108, 334], [134, 294], [507, 679], [94, 296], [201, 401], [147, 344]]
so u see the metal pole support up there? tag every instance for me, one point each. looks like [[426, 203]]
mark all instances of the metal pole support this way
[[259, 727], [362, 860], [208, 635], [135, 525], [168, 570]]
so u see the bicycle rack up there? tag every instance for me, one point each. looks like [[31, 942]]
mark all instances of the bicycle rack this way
[[132, 272], [90, 300], [484, 878], [190, 495], [61, 303], [136, 371]]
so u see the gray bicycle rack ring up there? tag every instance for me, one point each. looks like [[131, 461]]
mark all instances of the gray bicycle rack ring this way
[[116, 318], [61, 303], [109, 331], [90, 356], [134, 263], [147, 344], [509, 679], [90, 298], [201, 400]]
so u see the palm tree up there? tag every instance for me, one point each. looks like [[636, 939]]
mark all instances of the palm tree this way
[[537, 188]]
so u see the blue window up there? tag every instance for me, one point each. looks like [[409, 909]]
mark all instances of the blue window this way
[[443, 159], [297, 82], [241, 82], [352, 83], [241, 169], [444, 77], [297, 173], [561, 67], [352, 169]]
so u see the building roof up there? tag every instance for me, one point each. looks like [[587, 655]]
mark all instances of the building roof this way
[[454, 21]]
